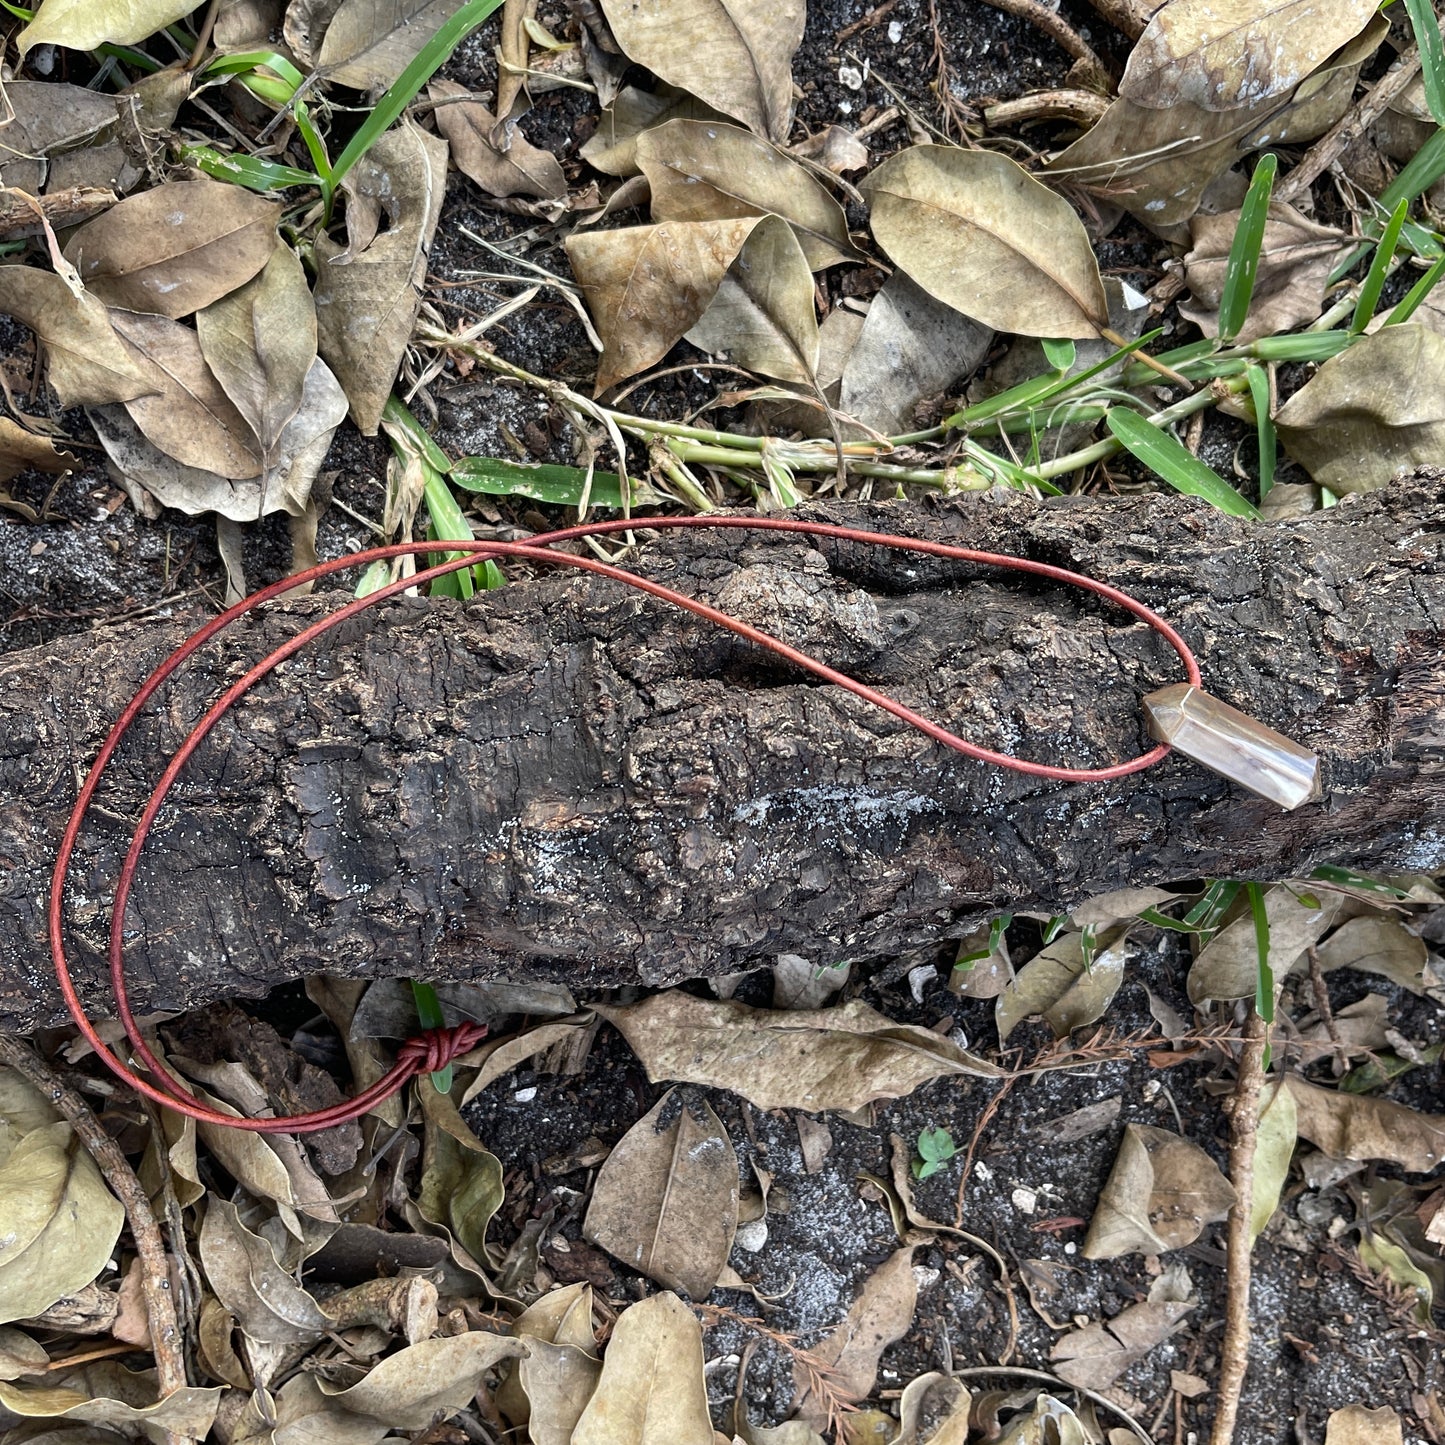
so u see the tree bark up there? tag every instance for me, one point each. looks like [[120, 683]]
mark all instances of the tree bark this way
[[567, 780]]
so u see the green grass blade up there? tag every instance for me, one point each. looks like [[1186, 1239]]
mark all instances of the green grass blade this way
[[1167, 457], [1425, 167], [254, 172], [1410, 302], [403, 90], [541, 481], [1258, 380], [1059, 354], [1243, 264], [1374, 281], [1432, 55]]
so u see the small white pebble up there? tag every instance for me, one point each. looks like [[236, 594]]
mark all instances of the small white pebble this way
[[1071, 1248], [983, 1173], [895, 31], [924, 1277], [752, 1236], [1025, 1200], [525, 1096], [1151, 1089], [850, 76]]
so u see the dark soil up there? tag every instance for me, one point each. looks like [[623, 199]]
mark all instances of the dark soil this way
[[1324, 1335]]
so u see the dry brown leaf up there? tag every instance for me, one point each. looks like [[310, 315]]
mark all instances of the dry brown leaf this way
[[1119, 906], [835, 1058], [1380, 944], [652, 1390], [933, 1411], [20, 1355], [551, 1384], [368, 294], [880, 1315], [761, 316], [708, 171], [21, 450], [106, 1394], [1289, 286], [1059, 983], [977, 232], [798, 983], [521, 169], [60, 1221], [736, 55], [1359, 1425], [185, 413], [368, 43], [260, 344], [666, 1200], [461, 1180], [47, 117], [176, 248], [86, 362], [1096, 1355], [86, 24], [1225, 54], [1371, 411], [647, 285], [612, 147], [1360, 1126], [911, 347], [1228, 965], [500, 1056], [834, 148], [1161, 1193]]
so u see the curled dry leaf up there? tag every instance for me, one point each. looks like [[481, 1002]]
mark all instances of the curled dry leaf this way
[[834, 148], [176, 248], [500, 1056], [708, 171], [911, 347], [368, 294], [1360, 1126], [801, 984], [1096, 1355], [1160, 1194], [933, 1411], [837, 1058], [521, 169], [1289, 286], [1371, 411], [666, 1200], [551, 1384], [86, 362], [1228, 965], [85, 24], [368, 43], [106, 1394], [21, 450], [647, 285], [979, 233], [736, 55], [1059, 983], [1049, 1422], [652, 1390], [761, 315], [612, 147], [1359, 1425], [61, 1222], [1380, 944], [461, 1180], [880, 1315], [1222, 55]]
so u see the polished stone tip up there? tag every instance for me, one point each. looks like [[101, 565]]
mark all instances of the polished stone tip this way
[[1233, 744]]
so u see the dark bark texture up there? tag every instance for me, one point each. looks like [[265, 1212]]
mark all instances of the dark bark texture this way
[[567, 780]]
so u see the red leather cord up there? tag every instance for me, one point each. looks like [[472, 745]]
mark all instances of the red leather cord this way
[[435, 1048]]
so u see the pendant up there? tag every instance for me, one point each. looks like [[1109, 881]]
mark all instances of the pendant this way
[[1233, 744]]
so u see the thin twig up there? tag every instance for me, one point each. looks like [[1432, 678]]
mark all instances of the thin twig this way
[[1243, 1130], [155, 1271], [1322, 995], [1091, 69], [1129, 17]]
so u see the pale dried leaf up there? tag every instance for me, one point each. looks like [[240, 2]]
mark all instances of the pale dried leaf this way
[[461, 1179], [652, 1390], [612, 147], [368, 294], [86, 362], [1360, 1027], [1226, 54], [1289, 286], [260, 344], [60, 1223], [368, 43], [1360, 1126], [708, 171], [977, 232], [85, 24], [666, 1200], [647, 285], [48, 117], [175, 248], [104, 1393], [1385, 1257], [1359, 1425], [20, 450], [1380, 944], [1116, 907], [815, 1141], [557, 1381], [834, 148], [911, 347], [940, 1401], [1275, 1136], [1228, 965], [521, 169], [1096, 1355], [20, 1355], [838, 1058], [1049, 1422], [762, 316], [1371, 411], [1161, 1193], [1058, 984], [879, 1316], [734, 54], [798, 983], [1081, 1123]]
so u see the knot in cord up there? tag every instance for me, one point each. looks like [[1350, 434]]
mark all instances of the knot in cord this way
[[434, 1049]]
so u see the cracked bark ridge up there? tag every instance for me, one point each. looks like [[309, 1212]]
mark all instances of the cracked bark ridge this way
[[567, 780]]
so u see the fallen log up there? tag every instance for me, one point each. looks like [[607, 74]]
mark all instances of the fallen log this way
[[567, 780]]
